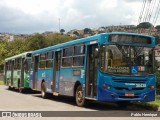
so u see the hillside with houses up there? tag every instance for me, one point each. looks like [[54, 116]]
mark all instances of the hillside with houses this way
[[80, 33]]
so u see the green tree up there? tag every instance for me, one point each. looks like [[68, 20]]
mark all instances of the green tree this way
[[36, 42], [3, 53], [145, 25], [62, 31], [158, 27], [56, 38], [87, 31], [16, 47], [8, 49]]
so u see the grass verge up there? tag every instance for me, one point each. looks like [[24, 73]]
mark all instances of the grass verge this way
[[1, 82], [154, 105]]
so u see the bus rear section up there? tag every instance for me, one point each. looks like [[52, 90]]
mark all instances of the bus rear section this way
[[16, 71]]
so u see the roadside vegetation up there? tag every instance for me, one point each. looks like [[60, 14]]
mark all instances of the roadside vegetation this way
[[34, 42], [156, 102], [1, 82], [154, 105]]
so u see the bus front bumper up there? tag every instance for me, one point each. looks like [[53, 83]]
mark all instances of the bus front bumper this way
[[106, 95]]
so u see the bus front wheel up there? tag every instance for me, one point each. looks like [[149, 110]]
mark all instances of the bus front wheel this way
[[9, 88], [79, 96]]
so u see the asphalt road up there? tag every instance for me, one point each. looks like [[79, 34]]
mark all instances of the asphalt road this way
[[11, 100]]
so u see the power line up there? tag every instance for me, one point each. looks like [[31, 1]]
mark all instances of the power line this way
[[142, 11], [146, 11], [59, 23], [151, 10], [156, 13], [155, 16]]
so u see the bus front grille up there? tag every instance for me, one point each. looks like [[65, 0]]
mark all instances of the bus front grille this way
[[128, 96], [128, 81], [124, 88], [121, 88]]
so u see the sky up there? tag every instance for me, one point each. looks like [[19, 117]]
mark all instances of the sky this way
[[38, 16]]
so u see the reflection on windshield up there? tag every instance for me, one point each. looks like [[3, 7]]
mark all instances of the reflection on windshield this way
[[123, 59]]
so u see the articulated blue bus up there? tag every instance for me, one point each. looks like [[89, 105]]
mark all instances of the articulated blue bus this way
[[115, 67]]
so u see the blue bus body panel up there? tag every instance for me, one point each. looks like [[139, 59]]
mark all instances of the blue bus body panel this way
[[57, 80], [68, 78], [45, 74]]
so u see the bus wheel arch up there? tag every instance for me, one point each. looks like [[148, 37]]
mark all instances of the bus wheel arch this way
[[77, 83], [78, 93]]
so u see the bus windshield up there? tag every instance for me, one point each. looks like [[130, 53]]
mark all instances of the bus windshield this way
[[125, 59]]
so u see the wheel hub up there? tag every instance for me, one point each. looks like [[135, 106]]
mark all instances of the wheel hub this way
[[79, 96]]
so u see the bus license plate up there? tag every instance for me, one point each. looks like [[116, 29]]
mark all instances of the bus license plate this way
[[129, 94]]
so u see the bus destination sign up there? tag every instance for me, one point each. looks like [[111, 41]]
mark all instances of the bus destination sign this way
[[118, 69]]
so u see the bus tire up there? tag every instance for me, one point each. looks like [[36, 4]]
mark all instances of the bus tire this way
[[21, 90], [80, 101], [43, 90], [9, 88]]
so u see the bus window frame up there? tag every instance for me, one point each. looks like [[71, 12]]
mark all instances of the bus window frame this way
[[46, 59], [49, 59], [18, 63], [73, 56], [42, 60]]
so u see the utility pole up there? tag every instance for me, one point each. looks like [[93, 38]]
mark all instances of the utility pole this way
[[59, 20]]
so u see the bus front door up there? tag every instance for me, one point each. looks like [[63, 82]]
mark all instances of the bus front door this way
[[91, 76], [22, 73], [12, 72], [35, 72], [56, 71]]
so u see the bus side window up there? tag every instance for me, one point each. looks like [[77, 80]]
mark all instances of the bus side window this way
[[36, 63]]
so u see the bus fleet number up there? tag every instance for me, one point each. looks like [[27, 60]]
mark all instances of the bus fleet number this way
[[140, 85]]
